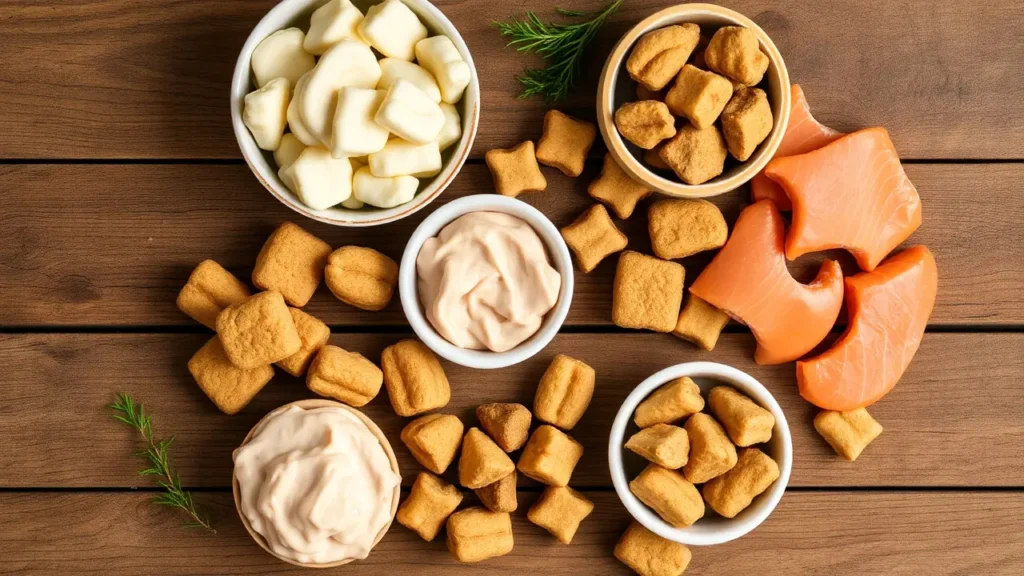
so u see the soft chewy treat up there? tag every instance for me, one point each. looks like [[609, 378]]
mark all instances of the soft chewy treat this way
[[393, 69], [675, 499], [616, 189], [356, 132], [648, 554], [746, 122], [565, 142], [658, 55], [849, 433], [331, 23], [683, 227], [319, 179], [401, 158], [347, 63], [482, 461], [410, 114], [500, 496], [745, 421], [439, 55], [515, 170], [280, 55], [593, 236], [732, 492], [699, 96], [550, 456], [507, 424], [314, 335], [393, 29], [559, 510], [711, 452], [700, 323], [695, 155], [662, 444], [735, 53], [645, 123], [476, 534], [209, 290], [564, 392], [414, 378], [345, 376], [383, 192], [265, 113], [258, 331], [288, 151], [647, 292], [429, 504], [361, 277], [671, 402], [229, 387], [291, 262], [434, 440]]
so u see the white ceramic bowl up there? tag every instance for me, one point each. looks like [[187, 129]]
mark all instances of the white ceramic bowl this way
[[409, 293], [289, 13], [712, 529]]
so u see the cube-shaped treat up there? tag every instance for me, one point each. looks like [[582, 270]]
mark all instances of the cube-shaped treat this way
[[616, 189], [699, 96], [434, 440], [550, 456], [732, 492], [746, 422], [507, 423], [676, 500], [647, 292], [314, 335], [476, 534], [500, 496], [735, 53], [648, 554], [695, 155], [593, 236], [565, 142], [559, 510], [564, 392], [414, 378], [361, 277], [849, 433], [515, 170], [645, 123], [258, 331], [700, 323], [229, 387], [209, 290], [429, 504], [482, 461], [291, 262], [681, 227], [746, 122], [711, 452], [666, 445], [344, 376], [658, 55], [671, 402]]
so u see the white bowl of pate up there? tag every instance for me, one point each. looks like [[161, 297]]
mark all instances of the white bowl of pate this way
[[486, 281], [316, 484]]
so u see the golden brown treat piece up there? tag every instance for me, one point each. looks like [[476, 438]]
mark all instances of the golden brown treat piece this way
[[616, 189], [695, 155], [734, 52], [648, 554], [559, 510], [429, 504], [700, 323], [658, 55], [361, 277], [592, 237], [229, 387], [732, 492], [654, 159], [699, 96], [681, 227], [670, 403], [258, 331], [564, 392], [746, 422], [414, 378], [482, 461], [711, 452], [550, 456], [647, 292], [476, 534], [500, 496], [666, 445], [314, 335], [515, 170], [645, 123], [565, 143], [645, 93], [209, 290], [675, 499], [291, 262], [746, 122], [434, 440], [508, 424], [344, 376], [849, 433]]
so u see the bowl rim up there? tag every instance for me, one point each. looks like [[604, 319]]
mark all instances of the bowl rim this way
[[431, 226], [309, 404], [727, 375]]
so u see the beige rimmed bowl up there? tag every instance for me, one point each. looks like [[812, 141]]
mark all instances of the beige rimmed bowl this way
[[309, 405], [616, 88]]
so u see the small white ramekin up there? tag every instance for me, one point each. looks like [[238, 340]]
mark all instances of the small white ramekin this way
[[712, 529], [431, 226]]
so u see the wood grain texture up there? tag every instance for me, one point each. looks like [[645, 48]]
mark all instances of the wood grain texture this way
[[127, 79]]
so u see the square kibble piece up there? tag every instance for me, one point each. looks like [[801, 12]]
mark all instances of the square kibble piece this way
[[699, 96], [565, 143], [617, 190], [560, 510], [429, 504], [849, 433], [515, 170], [648, 554], [345, 376], [209, 290], [700, 323], [564, 392], [593, 236], [647, 292], [291, 262], [695, 155], [229, 387], [314, 335], [258, 330], [746, 122], [433, 440], [550, 456]]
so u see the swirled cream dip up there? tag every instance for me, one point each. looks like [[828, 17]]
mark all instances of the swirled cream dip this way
[[316, 484], [486, 281]]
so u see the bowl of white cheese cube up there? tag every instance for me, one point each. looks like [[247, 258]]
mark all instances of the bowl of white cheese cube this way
[[355, 112]]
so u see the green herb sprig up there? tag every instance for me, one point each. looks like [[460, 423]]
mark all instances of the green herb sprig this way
[[157, 456], [562, 45]]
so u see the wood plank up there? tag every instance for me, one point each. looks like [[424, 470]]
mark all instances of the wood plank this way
[[961, 399], [124, 79], [112, 245]]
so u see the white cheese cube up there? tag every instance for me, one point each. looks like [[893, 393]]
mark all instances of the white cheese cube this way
[[401, 158], [266, 113], [451, 132], [280, 55], [347, 63], [295, 123], [393, 29], [318, 179], [392, 69], [355, 131], [352, 203], [330, 24], [288, 151], [410, 114], [440, 56], [383, 192]]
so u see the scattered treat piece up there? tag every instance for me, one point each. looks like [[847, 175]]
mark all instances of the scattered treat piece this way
[[647, 292], [292, 262], [645, 93], [258, 331], [648, 554], [670, 403], [515, 170], [209, 290], [429, 504], [500, 496], [565, 142], [345, 376], [735, 52], [482, 461], [658, 55], [695, 155], [564, 392], [550, 456], [476, 534], [675, 499], [593, 236], [361, 277], [414, 378], [746, 422], [616, 189], [699, 96], [313, 334], [711, 452], [662, 444], [733, 491], [654, 159], [434, 440], [559, 510], [508, 424], [746, 122], [683, 227], [229, 387], [849, 433], [645, 123], [700, 323]]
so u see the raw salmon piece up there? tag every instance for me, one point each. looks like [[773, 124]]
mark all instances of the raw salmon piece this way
[[748, 279], [889, 309], [803, 134], [851, 194]]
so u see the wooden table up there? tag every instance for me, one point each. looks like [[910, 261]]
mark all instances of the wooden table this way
[[120, 172]]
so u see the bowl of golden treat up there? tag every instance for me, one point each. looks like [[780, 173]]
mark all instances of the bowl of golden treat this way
[[694, 100]]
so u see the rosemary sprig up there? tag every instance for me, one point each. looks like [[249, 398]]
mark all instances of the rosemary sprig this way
[[561, 44], [157, 456]]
